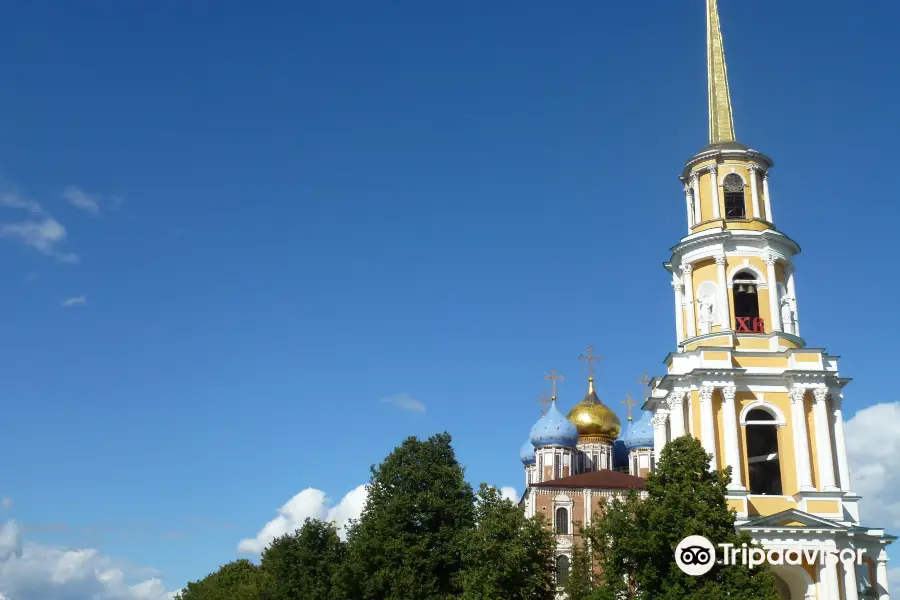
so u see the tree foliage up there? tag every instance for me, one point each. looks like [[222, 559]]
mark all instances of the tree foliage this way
[[302, 565], [238, 580], [408, 543], [506, 556], [635, 539]]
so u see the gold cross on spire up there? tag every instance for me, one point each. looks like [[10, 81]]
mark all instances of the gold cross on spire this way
[[644, 380], [590, 359], [629, 402], [553, 377], [544, 401]]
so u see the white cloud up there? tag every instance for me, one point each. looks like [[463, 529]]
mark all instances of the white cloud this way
[[44, 236], [89, 203], [74, 301], [310, 503], [12, 199], [873, 450], [404, 402], [510, 493], [31, 571]]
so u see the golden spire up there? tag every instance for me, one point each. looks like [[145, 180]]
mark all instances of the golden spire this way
[[553, 377], [721, 122], [629, 402], [543, 400]]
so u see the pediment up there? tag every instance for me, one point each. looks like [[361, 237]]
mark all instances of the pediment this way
[[792, 519]]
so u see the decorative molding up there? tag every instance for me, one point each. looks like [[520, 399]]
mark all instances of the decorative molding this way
[[729, 391], [675, 399], [770, 259], [720, 259], [659, 420], [798, 393], [706, 392], [687, 269], [770, 408], [821, 394], [679, 286]]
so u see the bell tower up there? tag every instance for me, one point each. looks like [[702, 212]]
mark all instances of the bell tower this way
[[741, 378]]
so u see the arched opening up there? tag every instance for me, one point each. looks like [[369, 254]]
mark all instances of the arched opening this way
[[562, 521], [763, 465], [784, 590], [562, 570], [746, 303], [735, 206]]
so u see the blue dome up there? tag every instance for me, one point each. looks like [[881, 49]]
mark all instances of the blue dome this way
[[526, 453], [554, 429], [640, 433], [620, 454]]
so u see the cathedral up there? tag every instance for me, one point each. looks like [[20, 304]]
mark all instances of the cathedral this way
[[740, 379]]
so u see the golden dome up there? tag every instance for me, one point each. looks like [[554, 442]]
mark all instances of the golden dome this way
[[593, 419]]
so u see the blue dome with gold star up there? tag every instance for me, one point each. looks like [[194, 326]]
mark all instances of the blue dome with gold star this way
[[639, 433], [554, 429], [526, 453]]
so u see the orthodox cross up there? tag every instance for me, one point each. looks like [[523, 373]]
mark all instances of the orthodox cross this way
[[544, 401], [553, 377], [590, 359], [629, 402], [644, 380]]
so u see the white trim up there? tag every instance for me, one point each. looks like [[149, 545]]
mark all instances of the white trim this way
[[760, 276], [768, 407]]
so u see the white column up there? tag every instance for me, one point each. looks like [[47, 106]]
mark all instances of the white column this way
[[823, 441], [766, 200], [714, 189], [881, 577], [695, 188], [675, 400], [724, 310], [659, 433], [801, 440], [827, 582], [754, 190], [851, 587], [792, 292], [840, 446], [690, 206], [679, 311], [707, 426], [774, 306], [688, 279], [732, 451]]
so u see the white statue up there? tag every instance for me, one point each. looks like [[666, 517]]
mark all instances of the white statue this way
[[705, 311], [787, 315]]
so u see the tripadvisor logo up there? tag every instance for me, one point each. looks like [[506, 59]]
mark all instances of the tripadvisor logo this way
[[695, 555]]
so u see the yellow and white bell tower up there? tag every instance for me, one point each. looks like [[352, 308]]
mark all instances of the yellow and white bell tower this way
[[743, 380]]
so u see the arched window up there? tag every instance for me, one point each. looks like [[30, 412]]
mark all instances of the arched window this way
[[562, 521], [735, 207], [746, 303], [557, 466], [762, 453], [562, 570]]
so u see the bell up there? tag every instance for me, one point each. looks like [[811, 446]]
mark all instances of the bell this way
[[751, 289], [741, 289]]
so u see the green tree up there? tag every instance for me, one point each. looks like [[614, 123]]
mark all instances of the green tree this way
[[408, 543], [506, 555], [303, 564], [238, 580], [581, 582], [636, 538]]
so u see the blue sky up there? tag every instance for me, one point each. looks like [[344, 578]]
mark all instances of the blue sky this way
[[304, 208]]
